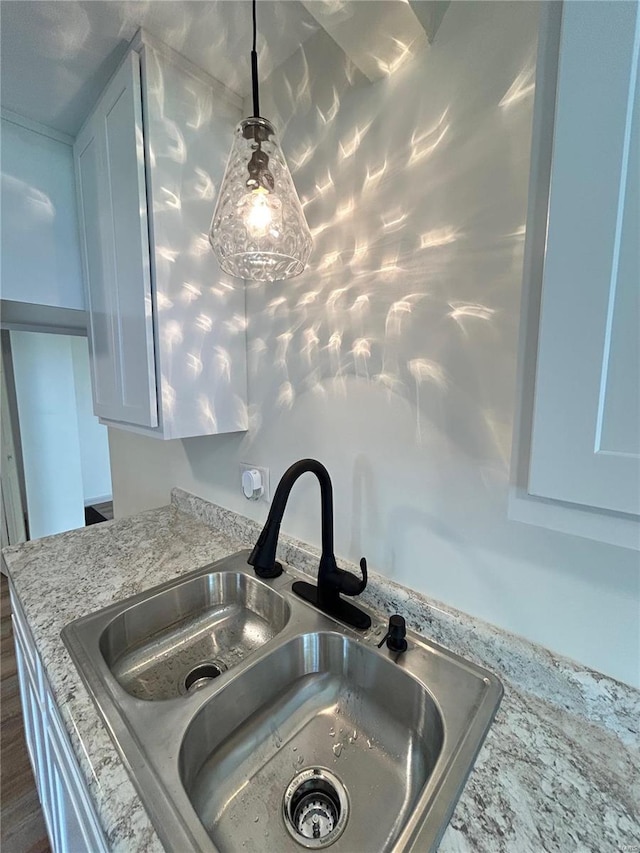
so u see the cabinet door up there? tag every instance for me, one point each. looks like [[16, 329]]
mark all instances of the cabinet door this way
[[29, 709], [72, 823], [34, 730], [75, 832], [586, 428], [110, 172]]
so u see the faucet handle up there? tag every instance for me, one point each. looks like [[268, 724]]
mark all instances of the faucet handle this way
[[349, 584]]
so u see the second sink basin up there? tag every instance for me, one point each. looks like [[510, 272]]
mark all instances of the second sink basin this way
[[322, 702], [179, 639]]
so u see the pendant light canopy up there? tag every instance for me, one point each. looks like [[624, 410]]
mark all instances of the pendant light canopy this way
[[258, 230]]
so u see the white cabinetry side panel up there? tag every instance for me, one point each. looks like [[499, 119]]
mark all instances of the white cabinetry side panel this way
[[201, 339], [110, 172], [586, 426]]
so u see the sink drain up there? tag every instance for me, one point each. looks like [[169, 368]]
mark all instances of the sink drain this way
[[315, 807], [202, 675]]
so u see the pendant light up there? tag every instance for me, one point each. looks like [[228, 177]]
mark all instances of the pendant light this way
[[258, 230]]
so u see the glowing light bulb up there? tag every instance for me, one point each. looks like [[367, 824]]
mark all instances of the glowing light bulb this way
[[261, 213], [258, 231], [258, 218]]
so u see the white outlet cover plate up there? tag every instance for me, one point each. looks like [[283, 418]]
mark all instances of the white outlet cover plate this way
[[264, 472]]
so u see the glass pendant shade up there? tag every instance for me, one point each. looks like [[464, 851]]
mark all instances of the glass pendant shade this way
[[258, 230]]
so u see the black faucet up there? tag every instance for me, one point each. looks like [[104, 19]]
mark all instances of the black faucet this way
[[331, 580]]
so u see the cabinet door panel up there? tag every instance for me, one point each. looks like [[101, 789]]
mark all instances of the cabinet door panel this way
[[101, 341], [35, 734], [75, 825], [110, 170], [585, 446], [619, 430], [27, 706], [72, 823], [131, 264]]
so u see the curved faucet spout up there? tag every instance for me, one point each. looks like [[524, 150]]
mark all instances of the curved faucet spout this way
[[331, 579], [263, 556]]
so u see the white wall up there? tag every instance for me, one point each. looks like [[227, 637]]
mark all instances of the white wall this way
[[46, 399], [64, 447], [40, 249], [92, 435], [393, 358]]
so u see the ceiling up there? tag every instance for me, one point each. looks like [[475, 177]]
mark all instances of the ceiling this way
[[57, 55]]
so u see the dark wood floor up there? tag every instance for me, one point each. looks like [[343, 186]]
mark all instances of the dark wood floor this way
[[22, 828]]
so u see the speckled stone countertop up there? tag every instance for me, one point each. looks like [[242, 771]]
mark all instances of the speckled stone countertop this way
[[559, 770]]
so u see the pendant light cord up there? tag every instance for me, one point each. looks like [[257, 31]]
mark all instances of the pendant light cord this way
[[254, 67]]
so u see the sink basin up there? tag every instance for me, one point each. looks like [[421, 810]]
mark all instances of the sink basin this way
[[275, 728], [174, 642], [322, 700]]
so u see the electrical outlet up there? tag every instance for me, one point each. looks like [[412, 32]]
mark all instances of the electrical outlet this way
[[264, 473]]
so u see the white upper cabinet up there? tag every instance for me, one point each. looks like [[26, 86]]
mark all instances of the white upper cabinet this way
[[583, 244], [111, 187], [167, 327], [586, 435]]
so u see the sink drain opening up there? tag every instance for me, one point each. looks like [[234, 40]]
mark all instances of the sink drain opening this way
[[201, 675], [316, 808], [316, 815]]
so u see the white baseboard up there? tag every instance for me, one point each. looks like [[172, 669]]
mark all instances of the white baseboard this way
[[101, 499]]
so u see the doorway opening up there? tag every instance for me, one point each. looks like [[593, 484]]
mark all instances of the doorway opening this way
[[56, 469]]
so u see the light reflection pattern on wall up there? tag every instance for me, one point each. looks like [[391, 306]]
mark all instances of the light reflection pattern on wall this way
[[201, 347], [393, 296]]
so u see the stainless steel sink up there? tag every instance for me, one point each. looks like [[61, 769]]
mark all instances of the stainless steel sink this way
[[310, 736], [173, 642]]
